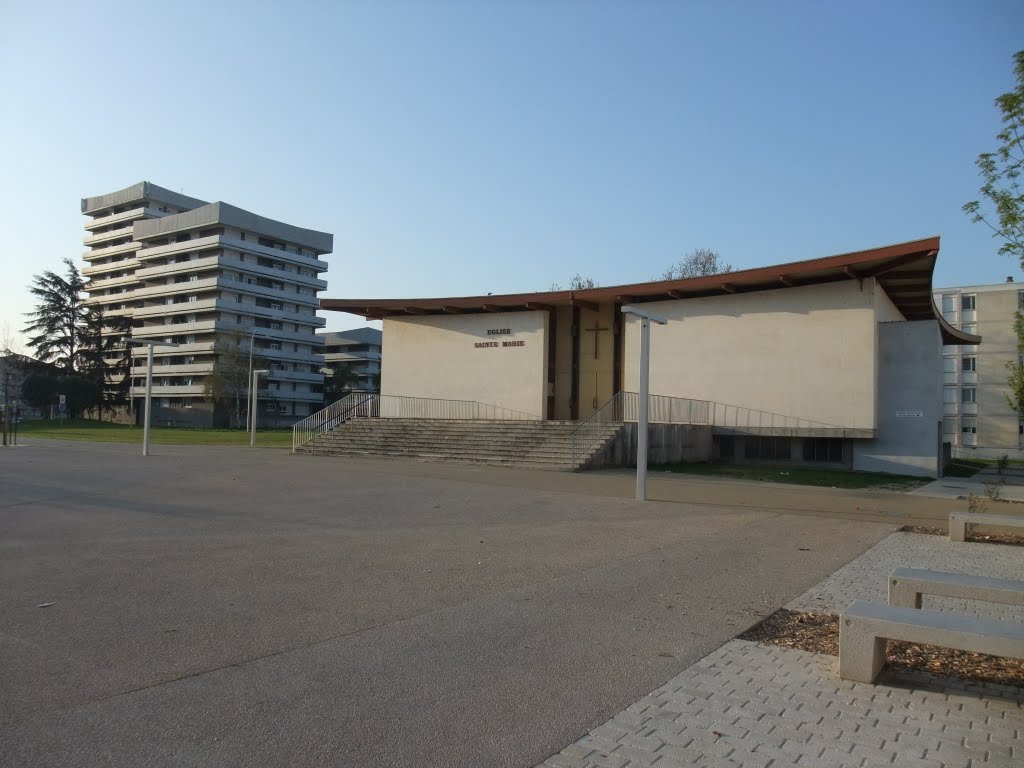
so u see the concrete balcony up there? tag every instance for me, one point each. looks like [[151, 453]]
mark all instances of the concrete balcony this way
[[197, 244], [285, 396], [312, 378], [177, 391], [183, 308], [278, 314], [351, 357], [104, 237], [115, 218], [105, 283], [107, 267], [266, 292], [290, 356], [110, 250], [193, 369], [179, 329], [150, 271], [187, 287], [198, 347], [249, 246], [218, 261]]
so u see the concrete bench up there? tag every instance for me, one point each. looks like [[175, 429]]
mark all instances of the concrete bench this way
[[907, 585], [958, 522], [865, 627]]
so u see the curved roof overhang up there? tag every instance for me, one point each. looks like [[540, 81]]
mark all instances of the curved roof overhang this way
[[904, 272]]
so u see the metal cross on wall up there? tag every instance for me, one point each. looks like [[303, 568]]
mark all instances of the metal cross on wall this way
[[596, 330]]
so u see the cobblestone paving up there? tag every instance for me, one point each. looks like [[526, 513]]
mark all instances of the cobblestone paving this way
[[757, 705], [866, 577], [748, 705]]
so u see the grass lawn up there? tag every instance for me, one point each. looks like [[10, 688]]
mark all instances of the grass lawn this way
[[105, 432], [828, 478]]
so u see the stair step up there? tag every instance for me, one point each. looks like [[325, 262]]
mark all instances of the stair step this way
[[523, 444]]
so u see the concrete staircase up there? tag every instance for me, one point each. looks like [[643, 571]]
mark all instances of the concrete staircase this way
[[521, 444]]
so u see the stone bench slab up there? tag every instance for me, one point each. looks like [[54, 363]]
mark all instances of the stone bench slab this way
[[958, 522], [864, 628], [907, 585]]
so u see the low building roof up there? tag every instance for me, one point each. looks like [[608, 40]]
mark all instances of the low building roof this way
[[365, 335], [904, 272]]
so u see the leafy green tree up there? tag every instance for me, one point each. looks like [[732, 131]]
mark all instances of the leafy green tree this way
[[104, 361], [228, 383], [339, 380], [1015, 381], [58, 321], [698, 263], [1001, 171]]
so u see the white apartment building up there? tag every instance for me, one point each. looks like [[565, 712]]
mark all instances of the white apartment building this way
[[360, 349], [208, 277], [976, 415]]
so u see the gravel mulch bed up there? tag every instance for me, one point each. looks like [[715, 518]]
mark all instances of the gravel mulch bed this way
[[994, 538], [819, 633]]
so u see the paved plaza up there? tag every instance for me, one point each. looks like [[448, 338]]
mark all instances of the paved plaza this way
[[760, 705], [237, 607]]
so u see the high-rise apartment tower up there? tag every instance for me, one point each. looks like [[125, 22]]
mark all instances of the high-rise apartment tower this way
[[217, 281]]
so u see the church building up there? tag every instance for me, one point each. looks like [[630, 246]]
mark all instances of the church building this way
[[830, 360]]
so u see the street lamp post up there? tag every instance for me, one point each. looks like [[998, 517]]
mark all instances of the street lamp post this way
[[252, 404], [149, 385], [646, 318], [252, 336]]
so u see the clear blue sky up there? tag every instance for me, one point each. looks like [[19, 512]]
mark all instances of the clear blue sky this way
[[466, 147]]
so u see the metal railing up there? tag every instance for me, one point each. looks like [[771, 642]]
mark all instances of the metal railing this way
[[752, 421], [351, 405], [371, 405], [625, 406], [664, 409]]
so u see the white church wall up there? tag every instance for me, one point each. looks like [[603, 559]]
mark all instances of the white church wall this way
[[497, 358], [909, 401], [807, 352]]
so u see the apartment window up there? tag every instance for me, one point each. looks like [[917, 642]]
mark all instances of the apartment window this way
[[971, 328], [969, 430], [193, 298], [967, 302], [948, 303], [270, 408], [275, 326], [274, 345], [193, 278], [186, 402], [949, 364], [243, 237], [949, 394], [969, 363], [282, 408], [968, 395], [949, 426]]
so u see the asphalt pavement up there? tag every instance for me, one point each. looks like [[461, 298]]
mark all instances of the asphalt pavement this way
[[238, 607]]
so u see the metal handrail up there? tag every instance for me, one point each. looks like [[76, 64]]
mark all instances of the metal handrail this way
[[371, 405], [328, 418]]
